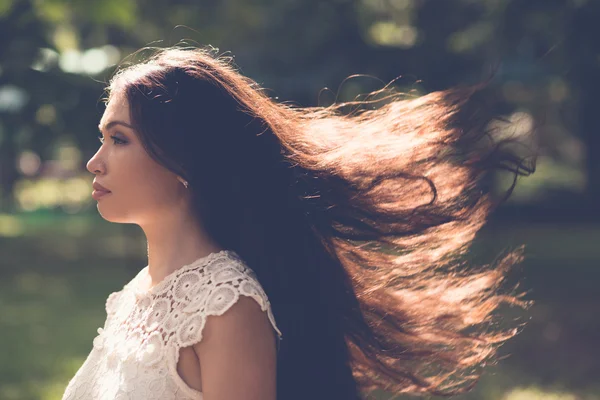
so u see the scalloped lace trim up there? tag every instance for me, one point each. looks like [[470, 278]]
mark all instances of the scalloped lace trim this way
[[135, 355]]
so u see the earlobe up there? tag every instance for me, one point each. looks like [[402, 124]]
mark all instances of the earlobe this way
[[185, 183]]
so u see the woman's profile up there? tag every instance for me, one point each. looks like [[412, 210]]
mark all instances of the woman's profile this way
[[293, 253]]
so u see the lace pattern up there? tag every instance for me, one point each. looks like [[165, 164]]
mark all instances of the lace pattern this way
[[135, 354]]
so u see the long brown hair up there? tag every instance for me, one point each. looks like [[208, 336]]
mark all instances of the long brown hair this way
[[355, 217]]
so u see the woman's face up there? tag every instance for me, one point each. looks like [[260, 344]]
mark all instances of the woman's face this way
[[140, 189]]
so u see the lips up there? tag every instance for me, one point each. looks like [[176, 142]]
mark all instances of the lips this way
[[99, 191], [99, 187]]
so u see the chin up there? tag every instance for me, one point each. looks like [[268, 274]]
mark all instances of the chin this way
[[112, 216]]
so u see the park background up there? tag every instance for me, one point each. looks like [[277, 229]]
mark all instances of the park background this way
[[59, 259]]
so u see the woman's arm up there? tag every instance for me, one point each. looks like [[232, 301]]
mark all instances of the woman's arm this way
[[237, 354]]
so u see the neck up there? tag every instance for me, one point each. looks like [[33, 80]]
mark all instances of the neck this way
[[172, 243]]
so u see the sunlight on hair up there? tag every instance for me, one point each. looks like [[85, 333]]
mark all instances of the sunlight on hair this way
[[518, 125]]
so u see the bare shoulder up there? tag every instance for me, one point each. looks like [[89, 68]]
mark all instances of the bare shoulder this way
[[238, 346], [243, 322]]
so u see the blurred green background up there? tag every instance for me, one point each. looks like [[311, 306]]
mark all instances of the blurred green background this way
[[59, 260]]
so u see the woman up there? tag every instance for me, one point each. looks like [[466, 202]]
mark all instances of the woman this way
[[293, 253]]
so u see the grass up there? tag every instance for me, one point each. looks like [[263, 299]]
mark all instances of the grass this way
[[57, 273], [47, 322]]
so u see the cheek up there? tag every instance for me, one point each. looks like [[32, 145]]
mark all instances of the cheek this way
[[149, 184], [141, 188], [154, 192]]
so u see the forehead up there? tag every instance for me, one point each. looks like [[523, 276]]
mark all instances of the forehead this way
[[116, 109]]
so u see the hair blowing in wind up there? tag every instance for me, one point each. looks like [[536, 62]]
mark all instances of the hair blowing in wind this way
[[356, 218]]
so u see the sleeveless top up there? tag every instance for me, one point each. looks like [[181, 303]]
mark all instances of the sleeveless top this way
[[135, 355]]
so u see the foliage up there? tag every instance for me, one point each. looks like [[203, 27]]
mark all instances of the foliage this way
[[56, 55]]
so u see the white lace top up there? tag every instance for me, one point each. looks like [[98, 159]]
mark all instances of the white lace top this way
[[135, 355]]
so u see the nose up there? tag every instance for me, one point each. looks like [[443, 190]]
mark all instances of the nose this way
[[95, 165]]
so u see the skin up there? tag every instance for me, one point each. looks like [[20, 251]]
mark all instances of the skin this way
[[238, 346]]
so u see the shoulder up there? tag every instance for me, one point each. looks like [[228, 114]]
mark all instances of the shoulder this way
[[112, 301], [238, 346], [226, 287], [238, 341], [243, 323]]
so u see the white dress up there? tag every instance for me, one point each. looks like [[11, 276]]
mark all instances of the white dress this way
[[135, 355]]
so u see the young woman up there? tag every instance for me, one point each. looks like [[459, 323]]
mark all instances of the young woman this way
[[293, 253]]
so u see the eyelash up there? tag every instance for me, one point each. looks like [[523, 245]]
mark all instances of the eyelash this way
[[115, 139]]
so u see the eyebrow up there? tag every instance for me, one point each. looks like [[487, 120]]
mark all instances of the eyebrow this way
[[113, 123]]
